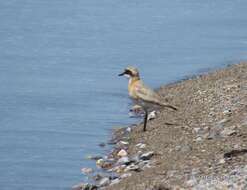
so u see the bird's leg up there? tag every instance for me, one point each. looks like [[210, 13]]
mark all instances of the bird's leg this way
[[145, 119]]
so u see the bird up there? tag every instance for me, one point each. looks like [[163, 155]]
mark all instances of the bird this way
[[141, 94]]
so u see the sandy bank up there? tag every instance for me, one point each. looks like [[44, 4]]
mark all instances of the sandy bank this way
[[201, 146]]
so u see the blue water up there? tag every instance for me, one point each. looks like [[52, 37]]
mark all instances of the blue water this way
[[59, 91]]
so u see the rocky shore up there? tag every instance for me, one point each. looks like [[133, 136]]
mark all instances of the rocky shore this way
[[203, 145]]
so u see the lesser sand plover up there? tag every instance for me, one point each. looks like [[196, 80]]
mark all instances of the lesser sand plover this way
[[141, 94]]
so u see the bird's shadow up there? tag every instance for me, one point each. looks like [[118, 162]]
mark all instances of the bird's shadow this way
[[234, 153]]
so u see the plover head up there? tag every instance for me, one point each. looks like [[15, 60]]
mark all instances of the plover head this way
[[130, 72]]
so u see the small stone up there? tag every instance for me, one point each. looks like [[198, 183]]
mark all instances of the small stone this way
[[135, 158], [191, 182], [128, 129], [86, 171], [171, 173], [115, 181], [97, 177], [125, 175], [90, 157], [123, 160], [141, 145], [152, 115], [178, 148], [99, 162], [104, 163], [147, 155], [198, 139], [132, 167], [222, 161], [84, 186], [186, 148], [104, 182], [124, 142], [122, 153], [119, 169], [197, 129], [102, 144]]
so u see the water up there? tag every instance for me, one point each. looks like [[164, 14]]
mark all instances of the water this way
[[59, 91]]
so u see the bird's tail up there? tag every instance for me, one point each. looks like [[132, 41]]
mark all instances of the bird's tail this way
[[169, 106]]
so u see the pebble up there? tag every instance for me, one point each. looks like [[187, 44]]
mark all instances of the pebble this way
[[191, 182], [132, 167], [152, 115], [99, 162], [115, 181], [123, 142], [198, 139], [90, 157], [125, 175], [222, 161], [128, 129], [86, 171], [123, 160], [197, 129], [147, 155], [186, 148], [102, 144], [141, 145], [104, 163], [84, 186], [122, 153], [104, 181]]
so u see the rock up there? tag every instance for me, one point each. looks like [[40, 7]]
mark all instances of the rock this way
[[124, 160], [144, 164], [104, 163], [141, 145], [123, 142], [197, 129], [104, 182], [198, 139], [118, 169], [102, 144], [178, 148], [115, 181], [171, 173], [186, 148], [152, 115], [222, 161], [122, 153], [191, 182], [132, 167], [128, 129], [84, 186], [100, 162], [125, 175], [135, 158], [147, 155], [90, 157], [97, 177], [86, 171]]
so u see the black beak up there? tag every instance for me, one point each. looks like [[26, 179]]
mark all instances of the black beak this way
[[122, 74]]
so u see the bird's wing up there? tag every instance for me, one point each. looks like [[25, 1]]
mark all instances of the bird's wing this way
[[147, 94]]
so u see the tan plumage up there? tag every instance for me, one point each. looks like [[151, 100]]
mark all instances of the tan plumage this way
[[142, 94]]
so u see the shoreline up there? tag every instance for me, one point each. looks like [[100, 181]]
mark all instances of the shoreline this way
[[202, 145]]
